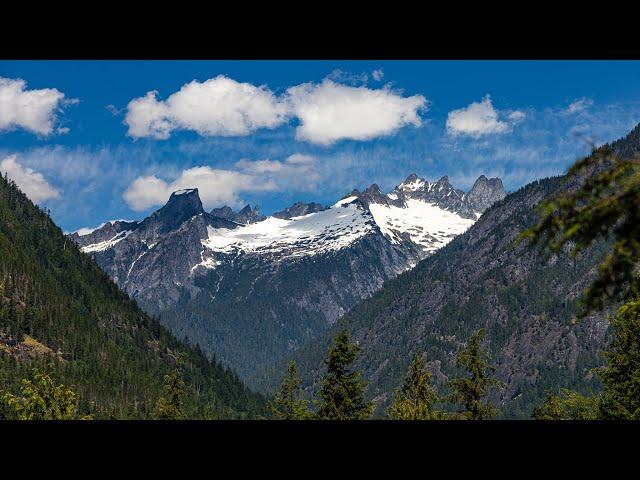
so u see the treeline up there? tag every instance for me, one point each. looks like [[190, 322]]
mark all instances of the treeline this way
[[341, 396], [63, 315]]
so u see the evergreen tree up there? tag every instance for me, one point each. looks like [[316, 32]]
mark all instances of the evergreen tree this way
[[568, 405], [621, 376], [471, 391], [41, 399], [415, 399], [171, 406], [287, 404], [342, 392]]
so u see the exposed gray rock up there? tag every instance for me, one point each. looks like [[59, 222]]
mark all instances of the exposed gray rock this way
[[298, 209], [244, 217]]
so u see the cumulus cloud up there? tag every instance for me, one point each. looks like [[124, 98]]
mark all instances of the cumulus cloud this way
[[578, 105], [224, 186], [480, 118], [329, 111], [32, 183], [32, 110], [219, 106]]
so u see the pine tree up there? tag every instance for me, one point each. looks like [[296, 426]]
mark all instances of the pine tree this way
[[41, 399], [171, 406], [287, 404], [621, 376], [471, 391], [415, 399], [342, 392]]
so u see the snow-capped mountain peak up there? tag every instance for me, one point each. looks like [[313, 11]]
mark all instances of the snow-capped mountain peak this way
[[180, 242]]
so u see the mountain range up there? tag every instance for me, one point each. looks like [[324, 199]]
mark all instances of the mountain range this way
[[250, 289]]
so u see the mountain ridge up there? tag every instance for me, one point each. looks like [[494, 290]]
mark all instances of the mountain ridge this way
[[225, 284]]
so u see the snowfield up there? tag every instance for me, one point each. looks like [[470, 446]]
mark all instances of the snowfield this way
[[428, 225], [425, 224], [101, 246], [311, 234]]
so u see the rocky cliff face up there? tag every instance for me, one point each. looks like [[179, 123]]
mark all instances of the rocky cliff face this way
[[250, 289]]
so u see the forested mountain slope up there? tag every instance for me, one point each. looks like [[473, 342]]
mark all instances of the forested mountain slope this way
[[59, 311], [525, 300]]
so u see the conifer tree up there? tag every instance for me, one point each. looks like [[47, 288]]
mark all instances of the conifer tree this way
[[568, 405], [171, 406], [342, 391], [471, 391], [41, 399], [621, 376], [287, 404], [415, 399]]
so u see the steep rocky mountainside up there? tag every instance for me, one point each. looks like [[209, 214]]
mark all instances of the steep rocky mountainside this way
[[527, 303], [525, 300], [60, 312], [251, 293]]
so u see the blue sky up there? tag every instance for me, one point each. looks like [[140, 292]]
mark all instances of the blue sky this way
[[89, 141]]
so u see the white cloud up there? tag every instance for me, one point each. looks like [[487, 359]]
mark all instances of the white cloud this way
[[218, 106], [32, 110], [377, 75], [329, 111], [578, 105], [219, 187], [32, 183], [480, 118]]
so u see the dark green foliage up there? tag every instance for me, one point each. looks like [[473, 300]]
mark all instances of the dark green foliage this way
[[41, 399], [113, 354], [342, 391], [601, 201], [415, 399], [171, 405], [621, 376], [287, 404], [569, 405], [471, 391]]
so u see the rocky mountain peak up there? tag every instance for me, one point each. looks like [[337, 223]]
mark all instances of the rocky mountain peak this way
[[245, 216], [182, 205], [411, 178], [485, 192], [444, 181]]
